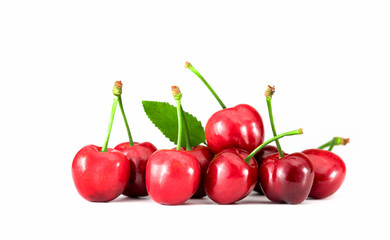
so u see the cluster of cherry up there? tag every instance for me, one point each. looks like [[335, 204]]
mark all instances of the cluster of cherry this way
[[235, 161]]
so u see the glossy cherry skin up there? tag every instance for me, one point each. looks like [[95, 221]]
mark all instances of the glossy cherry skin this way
[[237, 127], [204, 156], [288, 179], [329, 172], [172, 176], [229, 178], [260, 156], [138, 156], [100, 176]]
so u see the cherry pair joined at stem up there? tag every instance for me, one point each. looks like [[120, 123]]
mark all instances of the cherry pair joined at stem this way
[[292, 177], [102, 174], [232, 174]]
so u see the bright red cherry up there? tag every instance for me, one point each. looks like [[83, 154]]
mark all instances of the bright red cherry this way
[[137, 155], [229, 178], [288, 179], [329, 172], [100, 176], [172, 176], [237, 127]]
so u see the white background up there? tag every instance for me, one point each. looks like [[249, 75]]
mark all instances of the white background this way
[[329, 61]]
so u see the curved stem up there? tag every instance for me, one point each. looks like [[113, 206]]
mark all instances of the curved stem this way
[[189, 66], [187, 133], [253, 153], [113, 109], [271, 118], [325, 144], [334, 142], [180, 124], [125, 119]]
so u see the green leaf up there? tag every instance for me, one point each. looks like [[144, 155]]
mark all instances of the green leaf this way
[[164, 116]]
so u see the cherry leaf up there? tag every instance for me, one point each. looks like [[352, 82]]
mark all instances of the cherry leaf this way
[[164, 116]]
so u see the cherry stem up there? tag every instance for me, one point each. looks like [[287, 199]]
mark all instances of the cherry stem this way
[[253, 153], [331, 145], [334, 142], [268, 94], [131, 143], [189, 66], [117, 91], [113, 109], [177, 96], [186, 131]]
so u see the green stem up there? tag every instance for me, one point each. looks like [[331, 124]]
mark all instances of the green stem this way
[[189, 66], [177, 96], [334, 142], [332, 145], [186, 131], [113, 109], [253, 153], [271, 118], [125, 119], [180, 124], [325, 145]]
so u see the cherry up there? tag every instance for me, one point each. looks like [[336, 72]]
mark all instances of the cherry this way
[[260, 156], [288, 179], [100, 174], [204, 156], [237, 127], [285, 177], [137, 155], [329, 169], [173, 176], [229, 178], [232, 174]]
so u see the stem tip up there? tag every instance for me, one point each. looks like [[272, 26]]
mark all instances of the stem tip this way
[[117, 90], [269, 92], [187, 65], [300, 131], [176, 92], [343, 141]]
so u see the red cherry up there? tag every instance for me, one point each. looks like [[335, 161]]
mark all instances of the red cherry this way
[[237, 127], [100, 176], [260, 156], [229, 178], [329, 172], [138, 156], [172, 176], [204, 156], [288, 179]]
